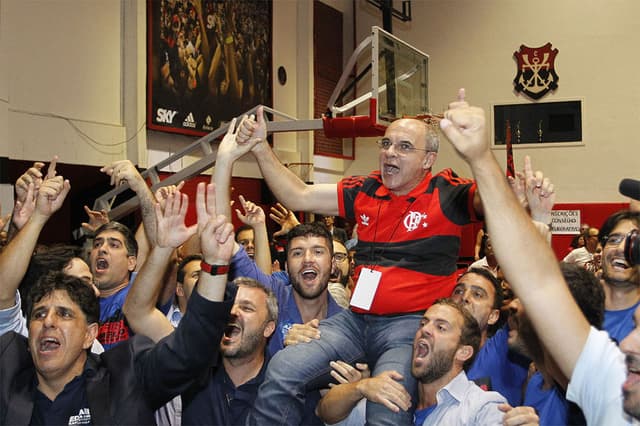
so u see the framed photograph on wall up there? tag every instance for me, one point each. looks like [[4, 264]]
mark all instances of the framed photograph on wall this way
[[207, 62]]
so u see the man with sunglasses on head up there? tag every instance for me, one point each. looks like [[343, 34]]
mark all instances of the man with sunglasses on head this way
[[409, 225]]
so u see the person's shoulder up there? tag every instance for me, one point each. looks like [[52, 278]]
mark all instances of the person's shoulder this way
[[452, 177]]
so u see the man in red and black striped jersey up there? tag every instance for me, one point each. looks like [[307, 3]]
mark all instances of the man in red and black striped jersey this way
[[409, 225]]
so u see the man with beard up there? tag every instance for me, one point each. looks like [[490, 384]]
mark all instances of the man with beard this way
[[594, 365], [621, 280], [339, 282], [224, 395], [444, 345], [495, 367]]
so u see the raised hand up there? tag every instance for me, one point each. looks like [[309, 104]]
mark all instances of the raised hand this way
[[253, 214], [252, 131], [124, 172], [171, 229], [32, 176], [96, 219], [23, 210], [540, 193], [464, 126], [163, 192], [51, 195], [215, 231], [283, 217]]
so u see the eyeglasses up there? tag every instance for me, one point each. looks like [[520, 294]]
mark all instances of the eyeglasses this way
[[403, 147], [340, 257], [614, 239]]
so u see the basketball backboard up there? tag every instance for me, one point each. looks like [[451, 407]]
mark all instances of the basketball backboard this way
[[399, 86]]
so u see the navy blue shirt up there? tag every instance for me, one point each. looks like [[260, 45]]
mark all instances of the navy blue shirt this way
[[220, 402], [71, 406]]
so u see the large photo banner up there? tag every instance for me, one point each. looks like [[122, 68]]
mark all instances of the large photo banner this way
[[208, 61]]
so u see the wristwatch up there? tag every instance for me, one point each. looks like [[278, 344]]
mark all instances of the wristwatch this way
[[214, 269]]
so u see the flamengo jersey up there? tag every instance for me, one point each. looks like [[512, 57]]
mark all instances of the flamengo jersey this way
[[413, 239]]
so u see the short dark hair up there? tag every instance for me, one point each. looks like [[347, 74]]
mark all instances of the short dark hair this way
[[586, 290], [487, 275], [52, 258], [184, 262], [129, 238], [243, 228], [470, 333], [78, 290], [613, 220], [313, 229]]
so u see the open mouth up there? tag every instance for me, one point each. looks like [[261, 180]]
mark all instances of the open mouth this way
[[101, 264], [48, 344], [390, 169], [619, 263], [231, 330], [421, 350], [309, 274]]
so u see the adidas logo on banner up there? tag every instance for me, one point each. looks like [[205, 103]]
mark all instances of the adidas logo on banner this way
[[189, 121]]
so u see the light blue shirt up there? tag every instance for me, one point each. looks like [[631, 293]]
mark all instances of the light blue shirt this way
[[462, 402]]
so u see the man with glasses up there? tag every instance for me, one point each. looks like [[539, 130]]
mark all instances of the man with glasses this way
[[340, 280], [621, 280], [409, 225]]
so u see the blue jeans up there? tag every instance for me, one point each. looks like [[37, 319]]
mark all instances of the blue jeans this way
[[385, 342]]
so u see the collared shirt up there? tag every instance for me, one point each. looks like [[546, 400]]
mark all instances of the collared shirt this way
[[462, 402], [70, 407], [220, 402]]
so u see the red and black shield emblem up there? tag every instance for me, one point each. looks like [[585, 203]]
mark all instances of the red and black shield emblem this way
[[536, 70]]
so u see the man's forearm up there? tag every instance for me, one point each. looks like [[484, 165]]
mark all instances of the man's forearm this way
[[15, 258], [337, 404]]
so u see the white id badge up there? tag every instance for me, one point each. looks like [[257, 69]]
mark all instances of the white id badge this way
[[366, 288]]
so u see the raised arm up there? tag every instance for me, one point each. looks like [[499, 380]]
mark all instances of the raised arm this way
[[140, 305], [528, 262], [124, 172], [16, 256], [285, 185], [254, 217]]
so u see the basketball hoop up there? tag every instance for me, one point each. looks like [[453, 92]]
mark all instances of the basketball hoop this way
[[303, 170]]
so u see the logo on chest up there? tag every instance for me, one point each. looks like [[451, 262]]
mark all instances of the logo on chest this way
[[414, 220]]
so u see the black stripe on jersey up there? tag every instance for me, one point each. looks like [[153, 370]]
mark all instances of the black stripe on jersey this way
[[428, 255]]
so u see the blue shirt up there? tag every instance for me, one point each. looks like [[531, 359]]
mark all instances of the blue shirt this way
[[288, 312], [500, 369], [550, 404], [114, 328], [619, 323]]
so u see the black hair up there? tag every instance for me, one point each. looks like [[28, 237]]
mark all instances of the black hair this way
[[129, 238], [184, 263], [78, 290], [613, 220]]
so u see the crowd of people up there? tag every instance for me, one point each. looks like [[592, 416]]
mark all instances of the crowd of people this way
[[198, 324]]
